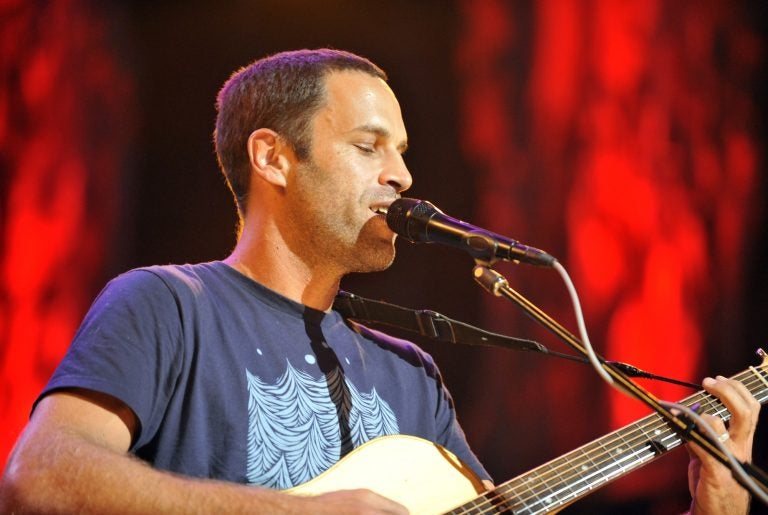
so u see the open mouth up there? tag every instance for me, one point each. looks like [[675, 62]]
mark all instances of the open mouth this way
[[380, 210]]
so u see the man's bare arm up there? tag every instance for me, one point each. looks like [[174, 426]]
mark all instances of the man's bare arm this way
[[73, 458]]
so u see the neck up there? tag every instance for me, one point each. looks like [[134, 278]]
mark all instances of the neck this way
[[266, 259]]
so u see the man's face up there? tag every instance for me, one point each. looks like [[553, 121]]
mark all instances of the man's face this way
[[355, 168]]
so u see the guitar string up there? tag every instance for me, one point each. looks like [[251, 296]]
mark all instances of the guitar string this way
[[557, 470], [544, 474], [501, 493], [566, 470], [562, 473]]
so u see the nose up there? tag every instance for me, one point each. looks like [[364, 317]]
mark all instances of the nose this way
[[396, 174]]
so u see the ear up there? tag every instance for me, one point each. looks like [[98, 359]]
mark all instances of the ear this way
[[271, 156]]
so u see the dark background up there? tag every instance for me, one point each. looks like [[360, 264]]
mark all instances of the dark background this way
[[175, 207]]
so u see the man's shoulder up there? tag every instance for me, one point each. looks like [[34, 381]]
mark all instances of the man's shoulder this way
[[163, 283], [173, 276], [405, 349]]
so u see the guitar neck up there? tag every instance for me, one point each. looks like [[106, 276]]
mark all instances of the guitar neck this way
[[564, 480]]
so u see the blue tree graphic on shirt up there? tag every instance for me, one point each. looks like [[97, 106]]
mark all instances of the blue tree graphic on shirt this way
[[375, 416], [294, 429]]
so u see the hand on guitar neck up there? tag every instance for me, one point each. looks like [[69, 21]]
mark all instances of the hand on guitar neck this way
[[713, 488]]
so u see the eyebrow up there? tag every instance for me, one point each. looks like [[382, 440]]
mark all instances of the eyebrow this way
[[382, 133]]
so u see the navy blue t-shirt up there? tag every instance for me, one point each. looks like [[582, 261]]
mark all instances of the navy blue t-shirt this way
[[230, 380]]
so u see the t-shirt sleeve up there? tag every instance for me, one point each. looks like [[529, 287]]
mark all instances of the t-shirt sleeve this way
[[450, 434], [129, 346]]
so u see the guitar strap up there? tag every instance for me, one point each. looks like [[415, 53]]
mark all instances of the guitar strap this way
[[435, 326], [429, 324]]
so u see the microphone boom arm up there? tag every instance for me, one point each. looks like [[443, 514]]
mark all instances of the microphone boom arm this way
[[495, 283]]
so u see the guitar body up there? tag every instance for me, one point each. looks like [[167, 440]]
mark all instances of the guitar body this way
[[426, 478], [422, 476]]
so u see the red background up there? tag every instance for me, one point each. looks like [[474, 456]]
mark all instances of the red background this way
[[626, 137]]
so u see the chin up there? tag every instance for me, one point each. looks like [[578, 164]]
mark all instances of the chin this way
[[375, 260], [374, 266]]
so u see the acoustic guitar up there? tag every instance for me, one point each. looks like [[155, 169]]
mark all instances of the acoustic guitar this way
[[427, 478]]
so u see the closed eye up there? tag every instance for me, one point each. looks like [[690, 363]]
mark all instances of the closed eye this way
[[367, 149]]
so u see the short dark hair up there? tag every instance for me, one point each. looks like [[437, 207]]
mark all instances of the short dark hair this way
[[281, 92]]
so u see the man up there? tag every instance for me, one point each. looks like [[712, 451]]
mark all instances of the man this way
[[186, 383]]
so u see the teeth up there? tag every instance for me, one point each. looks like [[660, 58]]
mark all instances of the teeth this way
[[381, 210]]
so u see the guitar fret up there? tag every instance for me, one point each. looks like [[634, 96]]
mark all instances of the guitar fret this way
[[563, 480], [717, 408], [586, 481], [606, 465], [521, 490], [579, 469], [759, 375], [582, 472], [671, 439], [568, 476], [557, 495], [596, 467], [613, 466], [548, 497]]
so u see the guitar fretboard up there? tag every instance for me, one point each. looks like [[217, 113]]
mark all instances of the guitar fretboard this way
[[562, 481]]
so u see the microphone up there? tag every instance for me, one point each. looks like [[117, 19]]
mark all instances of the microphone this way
[[420, 221]]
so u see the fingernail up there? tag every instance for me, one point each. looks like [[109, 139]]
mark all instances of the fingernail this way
[[708, 381]]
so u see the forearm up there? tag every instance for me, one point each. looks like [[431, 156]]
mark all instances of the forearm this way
[[67, 474]]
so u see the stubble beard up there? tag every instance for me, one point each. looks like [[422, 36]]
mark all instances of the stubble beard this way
[[374, 256], [333, 240]]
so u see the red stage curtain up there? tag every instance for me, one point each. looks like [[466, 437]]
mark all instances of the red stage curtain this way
[[619, 135], [64, 123]]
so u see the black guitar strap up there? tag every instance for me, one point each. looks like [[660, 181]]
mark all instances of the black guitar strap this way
[[426, 323]]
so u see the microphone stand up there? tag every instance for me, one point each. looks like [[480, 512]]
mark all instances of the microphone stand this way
[[498, 285]]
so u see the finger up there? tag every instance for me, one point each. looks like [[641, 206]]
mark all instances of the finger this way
[[744, 409], [702, 462], [718, 429], [738, 388], [739, 401]]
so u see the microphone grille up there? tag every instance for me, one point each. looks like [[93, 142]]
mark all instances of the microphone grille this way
[[397, 216], [406, 215]]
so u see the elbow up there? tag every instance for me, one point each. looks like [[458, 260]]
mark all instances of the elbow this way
[[10, 498], [19, 486], [12, 489]]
